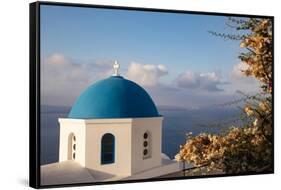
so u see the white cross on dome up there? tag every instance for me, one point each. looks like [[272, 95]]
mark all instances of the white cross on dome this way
[[116, 67]]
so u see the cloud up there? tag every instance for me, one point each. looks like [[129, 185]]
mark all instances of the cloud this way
[[185, 98], [205, 81], [240, 82], [63, 79], [237, 69], [57, 59], [146, 74], [237, 75]]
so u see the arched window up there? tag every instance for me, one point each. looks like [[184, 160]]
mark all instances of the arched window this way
[[71, 147], [146, 145], [107, 148]]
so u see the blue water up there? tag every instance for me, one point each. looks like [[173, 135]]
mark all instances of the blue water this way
[[177, 122]]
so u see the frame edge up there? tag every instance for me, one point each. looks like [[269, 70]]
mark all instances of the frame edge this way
[[34, 170]]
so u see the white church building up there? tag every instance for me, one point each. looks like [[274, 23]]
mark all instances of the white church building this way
[[113, 132]]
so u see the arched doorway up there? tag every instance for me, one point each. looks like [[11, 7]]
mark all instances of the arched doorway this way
[[71, 147], [107, 148]]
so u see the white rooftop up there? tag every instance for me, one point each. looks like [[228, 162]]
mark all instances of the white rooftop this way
[[69, 172]]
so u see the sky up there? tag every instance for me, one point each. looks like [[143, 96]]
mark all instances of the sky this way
[[172, 56]]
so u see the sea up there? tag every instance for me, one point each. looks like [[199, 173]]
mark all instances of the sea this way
[[176, 124]]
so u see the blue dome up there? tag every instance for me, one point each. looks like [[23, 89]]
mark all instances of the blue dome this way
[[114, 97]]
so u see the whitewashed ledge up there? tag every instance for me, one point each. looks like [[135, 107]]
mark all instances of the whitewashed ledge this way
[[69, 172]]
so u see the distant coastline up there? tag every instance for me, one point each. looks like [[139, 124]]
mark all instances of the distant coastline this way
[[64, 109]]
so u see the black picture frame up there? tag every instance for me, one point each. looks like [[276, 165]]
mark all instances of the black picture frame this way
[[34, 91]]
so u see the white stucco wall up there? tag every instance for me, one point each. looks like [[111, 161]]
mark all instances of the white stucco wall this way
[[129, 148], [77, 127], [139, 127], [121, 129]]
